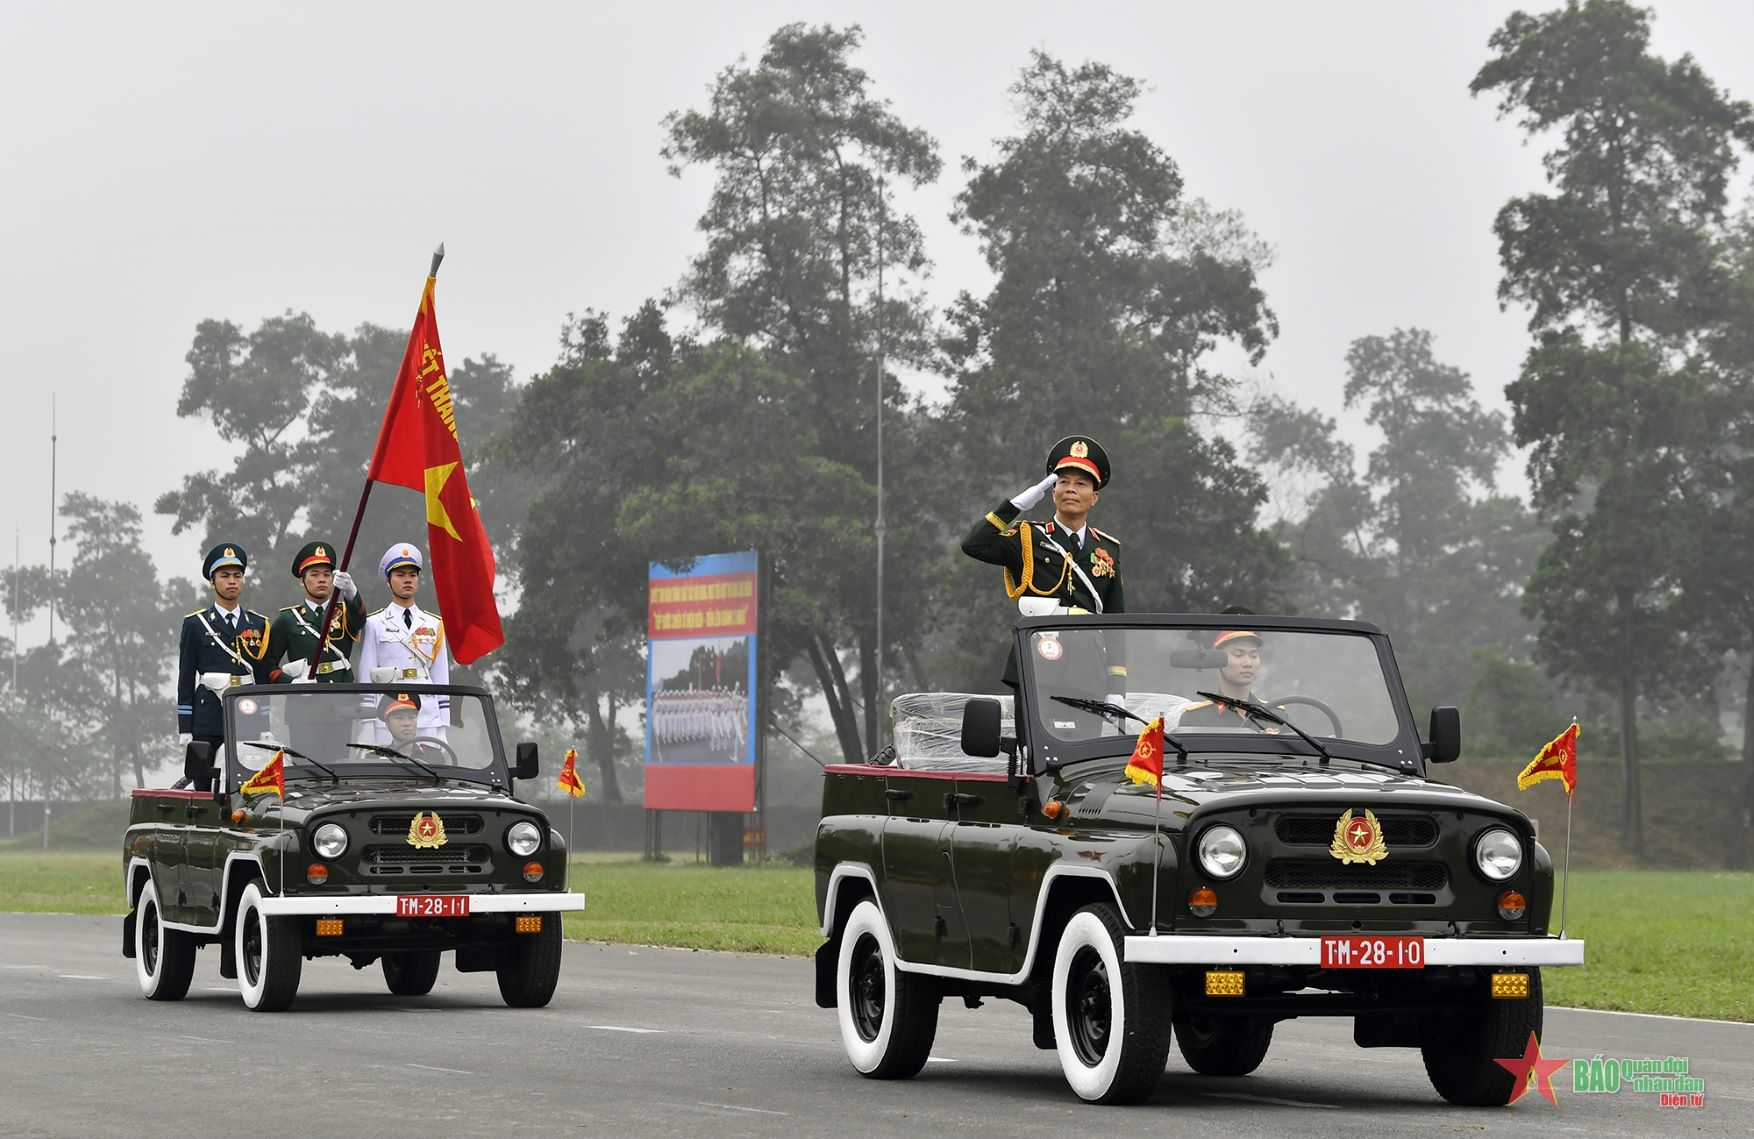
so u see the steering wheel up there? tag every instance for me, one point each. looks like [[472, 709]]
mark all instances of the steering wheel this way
[[1333, 718], [450, 755]]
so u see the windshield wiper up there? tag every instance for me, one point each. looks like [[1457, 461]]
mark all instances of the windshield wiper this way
[[1113, 713], [1254, 709], [270, 744], [391, 753]]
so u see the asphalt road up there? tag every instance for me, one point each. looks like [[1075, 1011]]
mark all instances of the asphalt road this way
[[657, 1042]]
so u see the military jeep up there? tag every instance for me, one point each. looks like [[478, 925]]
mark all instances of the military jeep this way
[[385, 850], [1300, 861]]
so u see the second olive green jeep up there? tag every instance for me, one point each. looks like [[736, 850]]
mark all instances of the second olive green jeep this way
[[398, 840], [1301, 861]]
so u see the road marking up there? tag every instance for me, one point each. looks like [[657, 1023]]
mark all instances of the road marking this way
[[734, 1107], [940, 1059], [21, 1016], [219, 988], [204, 1039], [1653, 1015], [1267, 1099], [452, 1071], [620, 1028], [80, 977], [20, 966]]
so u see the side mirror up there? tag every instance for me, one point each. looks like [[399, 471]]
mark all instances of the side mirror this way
[[1197, 658], [198, 769], [525, 767], [980, 727], [1446, 735]]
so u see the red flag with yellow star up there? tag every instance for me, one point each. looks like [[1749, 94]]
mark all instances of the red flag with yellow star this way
[[1146, 764], [1558, 760], [417, 448], [569, 780], [272, 777]]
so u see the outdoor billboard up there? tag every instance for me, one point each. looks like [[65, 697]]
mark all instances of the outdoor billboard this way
[[701, 690]]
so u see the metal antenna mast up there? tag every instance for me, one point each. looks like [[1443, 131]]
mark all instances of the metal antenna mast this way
[[882, 219], [54, 503]]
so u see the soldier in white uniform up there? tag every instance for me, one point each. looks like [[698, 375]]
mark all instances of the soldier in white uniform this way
[[404, 644]]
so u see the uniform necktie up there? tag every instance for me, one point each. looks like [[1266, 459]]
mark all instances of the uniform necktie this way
[[1074, 541], [232, 620], [408, 618]]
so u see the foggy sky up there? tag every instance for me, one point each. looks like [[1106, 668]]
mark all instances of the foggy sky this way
[[162, 164]]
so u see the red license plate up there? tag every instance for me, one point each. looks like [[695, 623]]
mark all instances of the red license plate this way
[[432, 905], [1355, 951]]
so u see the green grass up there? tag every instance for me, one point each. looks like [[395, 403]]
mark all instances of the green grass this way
[[1676, 942]]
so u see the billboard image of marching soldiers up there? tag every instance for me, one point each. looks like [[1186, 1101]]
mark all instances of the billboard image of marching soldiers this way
[[701, 690]]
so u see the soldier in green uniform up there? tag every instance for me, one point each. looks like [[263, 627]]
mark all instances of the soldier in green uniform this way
[[1236, 679], [292, 639], [1063, 565]]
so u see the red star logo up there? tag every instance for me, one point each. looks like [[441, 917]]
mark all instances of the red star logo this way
[[1360, 833], [1529, 1068]]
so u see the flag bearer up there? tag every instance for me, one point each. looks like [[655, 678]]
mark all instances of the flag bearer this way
[[292, 639]]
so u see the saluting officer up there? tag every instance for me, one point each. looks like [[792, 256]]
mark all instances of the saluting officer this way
[[1064, 565], [405, 644], [316, 727], [221, 646]]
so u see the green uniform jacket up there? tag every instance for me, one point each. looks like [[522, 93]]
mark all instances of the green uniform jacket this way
[[999, 539], [293, 636]]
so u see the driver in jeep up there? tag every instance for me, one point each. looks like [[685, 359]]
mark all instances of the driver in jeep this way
[[1236, 679], [401, 715]]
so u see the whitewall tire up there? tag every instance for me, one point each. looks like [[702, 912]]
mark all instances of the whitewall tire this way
[[888, 1018]]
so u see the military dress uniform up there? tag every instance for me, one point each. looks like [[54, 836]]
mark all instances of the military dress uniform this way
[[317, 727], [1043, 560], [214, 643], [409, 642]]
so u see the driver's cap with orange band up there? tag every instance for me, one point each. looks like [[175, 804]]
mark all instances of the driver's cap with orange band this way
[[1228, 635], [400, 702]]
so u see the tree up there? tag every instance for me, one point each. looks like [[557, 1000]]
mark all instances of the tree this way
[[104, 687], [1615, 264], [1112, 288], [800, 227]]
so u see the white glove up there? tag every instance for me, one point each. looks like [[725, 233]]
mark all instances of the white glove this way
[[1034, 494], [293, 669], [184, 739], [1118, 699], [304, 680], [1039, 606], [344, 582], [217, 681]]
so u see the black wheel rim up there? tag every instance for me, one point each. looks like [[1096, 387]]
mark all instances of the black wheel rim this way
[[149, 938], [869, 989], [1089, 1006], [252, 954]]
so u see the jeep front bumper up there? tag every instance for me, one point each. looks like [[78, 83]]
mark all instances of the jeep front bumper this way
[[1201, 949], [384, 905]]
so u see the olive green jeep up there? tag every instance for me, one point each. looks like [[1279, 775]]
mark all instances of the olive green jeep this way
[[1300, 861], [398, 839]]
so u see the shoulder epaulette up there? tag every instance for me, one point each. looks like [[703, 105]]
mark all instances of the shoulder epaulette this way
[[377, 612], [1105, 535], [289, 609], [196, 613]]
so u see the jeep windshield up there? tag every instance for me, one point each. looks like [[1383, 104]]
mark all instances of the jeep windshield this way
[[339, 732], [1336, 684]]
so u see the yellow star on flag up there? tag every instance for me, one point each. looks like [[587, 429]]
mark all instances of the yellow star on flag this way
[[436, 514]]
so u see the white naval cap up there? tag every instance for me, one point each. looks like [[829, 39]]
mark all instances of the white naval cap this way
[[401, 554]]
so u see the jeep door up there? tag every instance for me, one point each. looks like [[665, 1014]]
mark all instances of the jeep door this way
[[989, 819], [919, 885]]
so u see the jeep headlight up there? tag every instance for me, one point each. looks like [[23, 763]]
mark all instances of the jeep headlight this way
[[1498, 854], [1222, 851], [523, 838], [329, 840]]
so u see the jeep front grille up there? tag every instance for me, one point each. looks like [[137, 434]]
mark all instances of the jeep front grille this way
[[1318, 830], [408, 861], [1330, 874], [454, 824]]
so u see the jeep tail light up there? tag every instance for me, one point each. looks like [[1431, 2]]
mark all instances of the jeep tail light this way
[[1512, 905], [529, 923], [532, 871], [1225, 983], [1202, 901], [1510, 986], [317, 874], [329, 927]]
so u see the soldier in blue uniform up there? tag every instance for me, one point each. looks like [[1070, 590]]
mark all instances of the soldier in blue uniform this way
[[222, 646], [1063, 565]]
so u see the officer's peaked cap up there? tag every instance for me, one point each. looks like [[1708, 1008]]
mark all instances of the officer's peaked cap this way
[[311, 555], [223, 555], [397, 702], [401, 554], [1080, 453]]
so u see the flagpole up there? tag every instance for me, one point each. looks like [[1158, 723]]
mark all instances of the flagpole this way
[[1565, 876], [438, 255], [1156, 854]]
